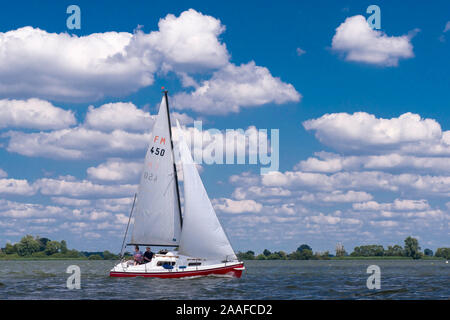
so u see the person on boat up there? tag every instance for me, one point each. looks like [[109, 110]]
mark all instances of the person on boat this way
[[138, 257], [148, 255]]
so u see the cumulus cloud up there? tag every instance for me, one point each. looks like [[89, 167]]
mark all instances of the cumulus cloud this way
[[3, 173], [16, 186], [13, 209], [116, 170], [83, 142], [84, 188], [398, 204], [384, 223], [356, 41], [75, 143], [189, 42], [259, 192], [115, 204], [118, 116], [365, 180], [71, 202], [234, 87], [236, 206], [330, 162], [60, 66], [362, 131], [34, 114], [327, 219], [339, 196]]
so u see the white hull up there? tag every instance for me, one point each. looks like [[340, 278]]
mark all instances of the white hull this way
[[172, 265]]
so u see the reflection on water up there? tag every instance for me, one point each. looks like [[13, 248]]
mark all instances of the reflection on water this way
[[262, 280]]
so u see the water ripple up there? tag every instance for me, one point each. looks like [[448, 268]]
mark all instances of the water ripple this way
[[262, 280]]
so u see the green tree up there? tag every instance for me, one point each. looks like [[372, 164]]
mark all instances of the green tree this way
[[278, 255], [394, 251], [52, 247], [412, 248], [368, 251], [306, 254], [249, 255], [109, 256], [266, 252], [10, 249], [428, 252], [27, 246], [95, 257], [443, 253], [304, 246], [42, 243], [63, 247]]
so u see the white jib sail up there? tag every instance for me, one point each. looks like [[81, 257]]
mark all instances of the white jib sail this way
[[157, 215], [202, 235]]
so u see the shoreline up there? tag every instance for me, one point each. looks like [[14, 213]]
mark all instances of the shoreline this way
[[331, 258]]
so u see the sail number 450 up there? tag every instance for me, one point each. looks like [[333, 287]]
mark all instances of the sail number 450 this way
[[157, 151]]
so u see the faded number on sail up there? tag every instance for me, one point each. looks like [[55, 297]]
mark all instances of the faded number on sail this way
[[157, 215]]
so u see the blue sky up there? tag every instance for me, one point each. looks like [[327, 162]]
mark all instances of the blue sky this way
[[378, 178]]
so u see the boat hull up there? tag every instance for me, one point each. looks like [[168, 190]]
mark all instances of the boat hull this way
[[234, 270]]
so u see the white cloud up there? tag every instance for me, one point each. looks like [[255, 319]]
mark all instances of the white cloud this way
[[384, 223], [34, 114], [67, 67], [447, 26], [82, 142], [300, 51], [118, 116], [75, 143], [13, 209], [362, 131], [364, 180], [358, 42], [71, 202], [398, 205], [16, 186], [234, 87], [189, 42], [83, 188], [349, 196], [259, 192], [60, 66], [116, 170], [324, 219], [237, 206], [3, 173], [115, 204], [330, 162]]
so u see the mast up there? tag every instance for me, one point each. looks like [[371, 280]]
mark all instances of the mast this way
[[173, 156]]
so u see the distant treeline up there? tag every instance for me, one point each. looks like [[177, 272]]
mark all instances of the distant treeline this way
[[411, 249], [44, 248]]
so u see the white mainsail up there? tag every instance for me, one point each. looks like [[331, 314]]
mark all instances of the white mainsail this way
[[202, 235], [157, 218]]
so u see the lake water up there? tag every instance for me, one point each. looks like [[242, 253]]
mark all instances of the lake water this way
[[335, 279]]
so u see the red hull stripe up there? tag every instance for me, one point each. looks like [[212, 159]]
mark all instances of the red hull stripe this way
[[178, 274]]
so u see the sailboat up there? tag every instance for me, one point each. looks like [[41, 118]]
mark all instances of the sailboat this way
[[201, 247]]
